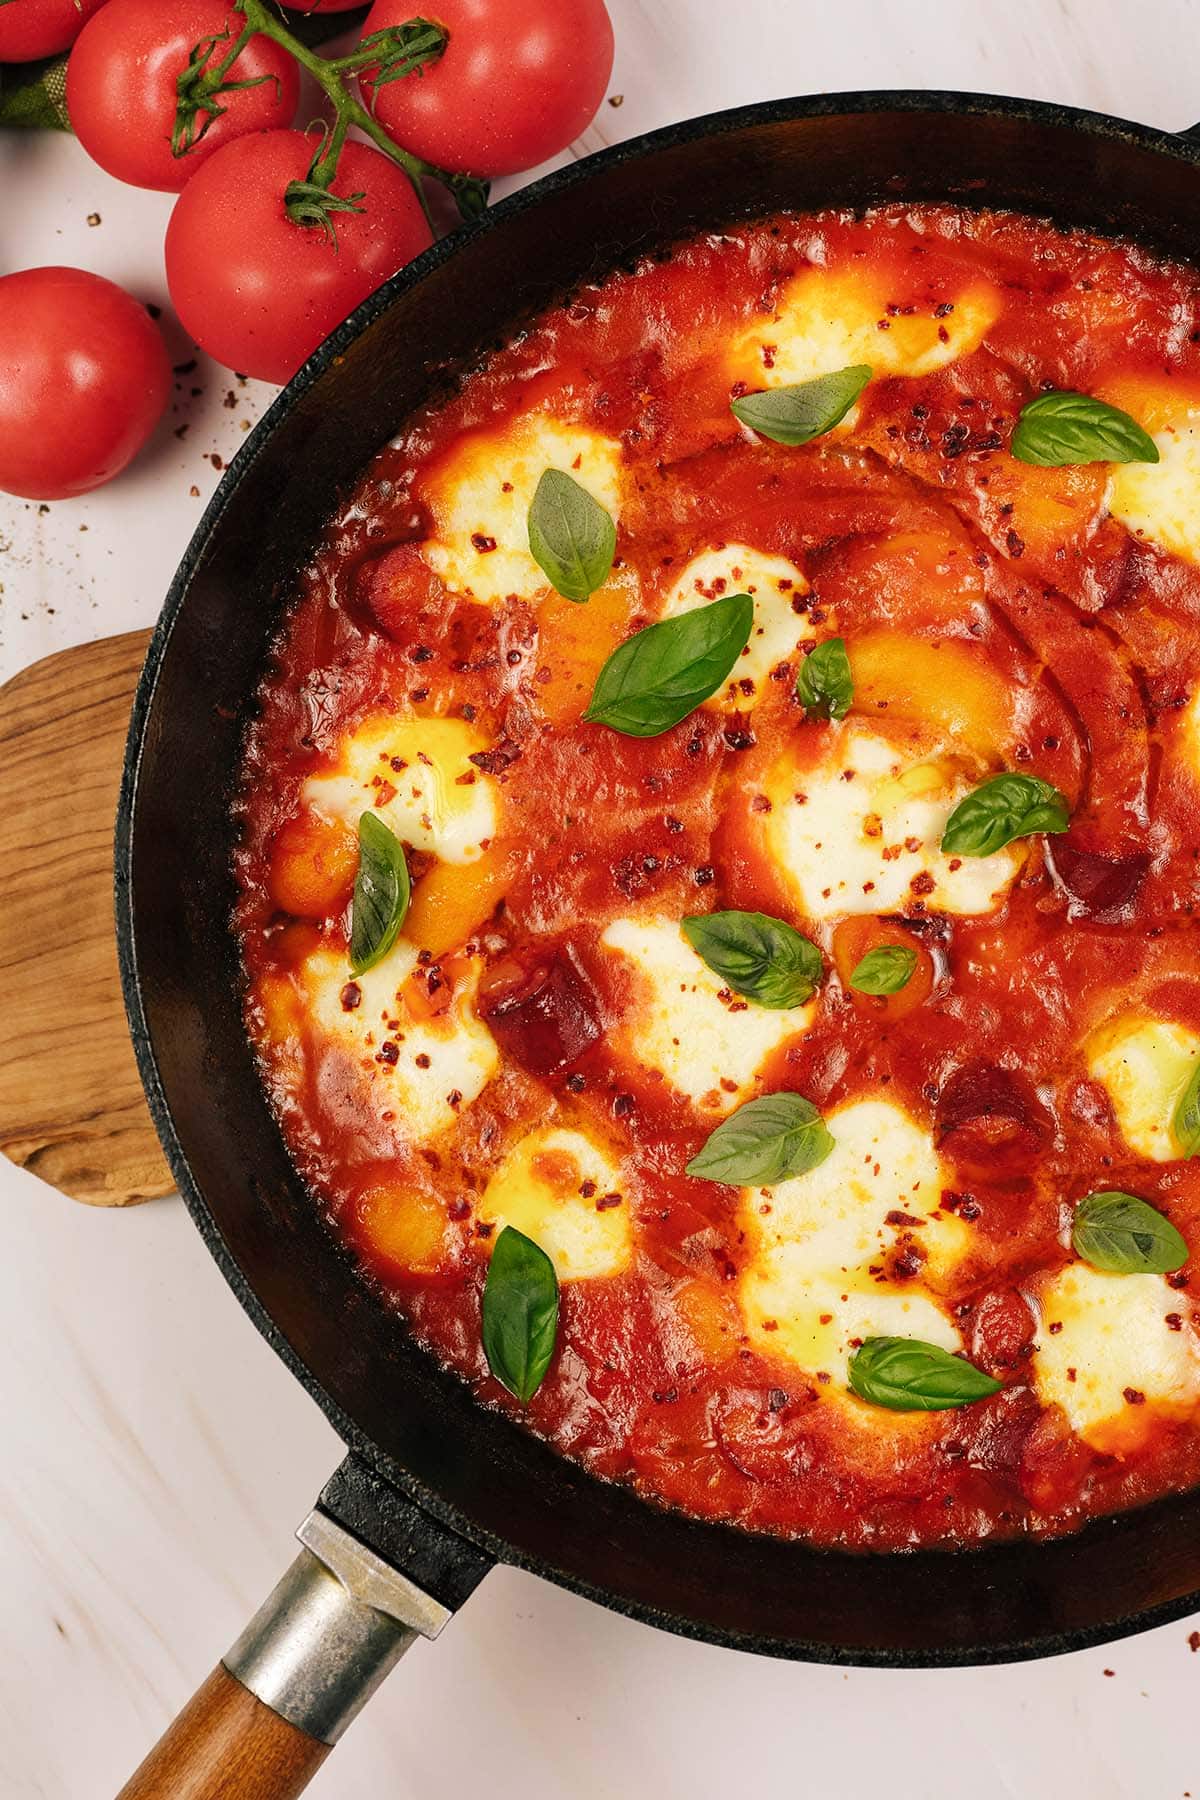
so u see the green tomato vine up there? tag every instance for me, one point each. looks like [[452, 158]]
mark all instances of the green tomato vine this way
[[397, 53]]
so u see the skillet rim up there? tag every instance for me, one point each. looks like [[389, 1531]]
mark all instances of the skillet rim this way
[[1178, 146]]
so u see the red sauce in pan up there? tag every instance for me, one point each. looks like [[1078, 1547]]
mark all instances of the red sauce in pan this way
[[997, 615]]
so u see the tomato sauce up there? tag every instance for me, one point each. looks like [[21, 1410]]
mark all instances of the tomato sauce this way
[[1075, 652]]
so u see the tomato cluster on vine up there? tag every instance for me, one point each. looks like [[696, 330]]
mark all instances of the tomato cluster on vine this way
[[277, 233]]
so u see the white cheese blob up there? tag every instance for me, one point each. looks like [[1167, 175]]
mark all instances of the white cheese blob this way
[[417, 776], [480, 495], [566, 1192], [851, 833], [817, 1284], [708, 1042], [1108, 1356], [425, 1071], [1144, 1065], [1161, 501], [830, 319], [773, 583]]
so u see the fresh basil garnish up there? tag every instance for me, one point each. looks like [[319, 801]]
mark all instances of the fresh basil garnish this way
[[760, 958], [825, 685], [806, 410], [764, 1142], [520, 1313], [1004, 808], [1186, 1123], [907, 1375], [381, 890], [659, 675], [571, 537], [1059, 429], [1125, 1236], [884, 970]]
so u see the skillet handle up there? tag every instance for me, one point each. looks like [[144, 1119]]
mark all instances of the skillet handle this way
[[225, 1742], [336, 1624]]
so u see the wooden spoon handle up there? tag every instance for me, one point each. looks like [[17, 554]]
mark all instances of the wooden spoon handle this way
[[226, 1745]]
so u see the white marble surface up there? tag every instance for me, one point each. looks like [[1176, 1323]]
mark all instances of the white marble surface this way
[[155, 1455]]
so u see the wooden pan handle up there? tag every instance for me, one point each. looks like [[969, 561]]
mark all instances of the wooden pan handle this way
[[313, 1654], [226, 1745]]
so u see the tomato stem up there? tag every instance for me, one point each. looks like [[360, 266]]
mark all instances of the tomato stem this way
[[398, 56]]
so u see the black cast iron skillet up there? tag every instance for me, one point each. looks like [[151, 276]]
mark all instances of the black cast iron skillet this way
[[436, 1485]]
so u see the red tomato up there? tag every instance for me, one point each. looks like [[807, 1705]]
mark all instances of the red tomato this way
[[259, 292], [33, 28], [517, 82], [84, 380], [121, 86]]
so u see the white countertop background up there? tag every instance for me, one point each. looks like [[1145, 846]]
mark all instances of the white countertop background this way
[[156, 1456]]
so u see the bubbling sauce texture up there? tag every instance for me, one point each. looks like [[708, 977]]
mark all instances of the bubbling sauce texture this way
[[543, 1048]]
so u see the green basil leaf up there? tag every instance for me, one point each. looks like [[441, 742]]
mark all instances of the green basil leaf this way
[[825, 684], [1125, 1236], [1059, 429], [1004, 808], [571, 537], [659, 675], [797, 414], [1186, 1123], [884, 970], [520, 1313], [759, 957], [907, 1375], [381, 890], [764, 1142]]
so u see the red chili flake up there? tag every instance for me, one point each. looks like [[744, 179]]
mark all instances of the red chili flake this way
[[500, 757], [771, 1325], [1054, 1327], [922, 883], [1177, 1280], [575, 1084], [482, 542], [1194, 1640], [506, 487], [737, 738], [454, 1097], [623, 1105], [1014, 544], [1070, 1374], [760, 804], [1174, 1322], [422, 1061], [896, 1217], [606, 1202], [705, 875], [942, 311], [389, 1053], [1134, 1396], [484, 1228], [459, 1210], [384, 791], [826, 1318]]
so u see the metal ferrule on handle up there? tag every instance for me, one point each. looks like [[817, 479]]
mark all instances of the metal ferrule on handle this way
[[336, 1624]]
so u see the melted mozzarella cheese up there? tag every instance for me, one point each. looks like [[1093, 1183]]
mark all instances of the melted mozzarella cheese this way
[[1161, 501], [1113, 1363], [773, 583], [480, 498], [829, 319], [816, 1283], [852, 833], [416, 774], [685, 1023], [1144, 1065], [441, 1064], [563, 1190]]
